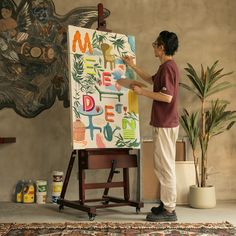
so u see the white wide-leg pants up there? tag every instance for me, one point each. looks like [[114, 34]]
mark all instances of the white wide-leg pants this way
[[164, 164]]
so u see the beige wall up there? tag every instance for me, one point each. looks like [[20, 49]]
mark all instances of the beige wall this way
[[207, 32]]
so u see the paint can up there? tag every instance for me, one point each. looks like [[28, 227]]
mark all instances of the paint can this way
[[57, 185], [41, 191]]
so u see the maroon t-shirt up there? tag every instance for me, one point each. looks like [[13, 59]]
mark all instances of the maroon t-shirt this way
[[166, 80]]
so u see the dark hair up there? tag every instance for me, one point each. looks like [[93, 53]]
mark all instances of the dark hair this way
[[170, 42]]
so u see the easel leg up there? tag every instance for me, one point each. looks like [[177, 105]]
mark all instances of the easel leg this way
[[111, 174], [126, 183], [108, 181], [68, 173], [81, 183]]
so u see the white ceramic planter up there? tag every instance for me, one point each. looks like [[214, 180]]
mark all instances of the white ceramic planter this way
[[202, 197]]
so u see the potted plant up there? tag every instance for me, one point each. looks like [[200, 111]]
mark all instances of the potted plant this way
[[200, 126]]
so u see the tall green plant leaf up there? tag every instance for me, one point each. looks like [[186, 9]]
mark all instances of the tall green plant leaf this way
[[219, 87], [190, 123], [190, 89], [218, 119], [212, 121]]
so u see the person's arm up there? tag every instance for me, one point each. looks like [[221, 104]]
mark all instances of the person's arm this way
[[142, 74], [158, 96]]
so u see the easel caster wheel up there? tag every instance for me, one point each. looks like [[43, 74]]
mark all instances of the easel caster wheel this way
[[137, 210], [105, 202], [91, 216], [61, 207]]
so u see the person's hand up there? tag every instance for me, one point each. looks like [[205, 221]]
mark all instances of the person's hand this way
[[138, 90], [129, 60]]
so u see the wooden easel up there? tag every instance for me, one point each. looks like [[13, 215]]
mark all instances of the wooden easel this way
[[94, 159], [102, 26]]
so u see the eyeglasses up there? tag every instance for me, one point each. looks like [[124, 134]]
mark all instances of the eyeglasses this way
[[155, 44]]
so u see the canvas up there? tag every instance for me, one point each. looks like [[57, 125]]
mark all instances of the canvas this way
[[103, 113]]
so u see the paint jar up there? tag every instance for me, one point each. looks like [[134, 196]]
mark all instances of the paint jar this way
[[41, 191], [57, 185], [29, 192], [19, 191]]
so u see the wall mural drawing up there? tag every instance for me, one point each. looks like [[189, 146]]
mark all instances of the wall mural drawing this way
[[103, 114], [33, 54]]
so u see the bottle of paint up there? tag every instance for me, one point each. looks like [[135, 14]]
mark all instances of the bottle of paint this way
[[56, 185], [29, 192], [19, 191]]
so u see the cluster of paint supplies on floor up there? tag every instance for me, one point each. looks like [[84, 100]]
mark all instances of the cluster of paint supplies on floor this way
[[29, 191]]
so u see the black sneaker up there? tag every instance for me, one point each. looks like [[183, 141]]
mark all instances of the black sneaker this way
[[157, 210], [162, 216]]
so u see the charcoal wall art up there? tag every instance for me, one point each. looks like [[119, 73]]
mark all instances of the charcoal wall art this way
[[33, 54]]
